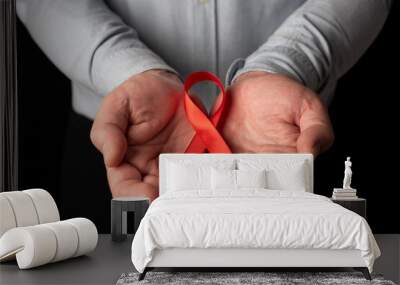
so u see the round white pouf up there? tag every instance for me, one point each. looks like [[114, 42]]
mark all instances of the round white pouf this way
[[33, 246], [87, 234], [67, 240], [45, 205], [7, 218], [23, 208]]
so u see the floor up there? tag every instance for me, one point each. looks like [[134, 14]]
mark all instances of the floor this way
[[103, 266], [110, 260], [389, 262]]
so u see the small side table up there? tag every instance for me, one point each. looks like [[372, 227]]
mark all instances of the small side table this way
[[358, 205], [119, 208]]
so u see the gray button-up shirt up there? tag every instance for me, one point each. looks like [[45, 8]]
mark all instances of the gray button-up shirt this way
[[99, 44]]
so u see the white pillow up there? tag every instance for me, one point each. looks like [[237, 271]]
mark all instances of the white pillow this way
[[181, 177], [235, 179], [281, 174], [251, 178], [193, 175], [223, 179]]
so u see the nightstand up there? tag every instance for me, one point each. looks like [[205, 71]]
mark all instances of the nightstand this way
[[358, 205]]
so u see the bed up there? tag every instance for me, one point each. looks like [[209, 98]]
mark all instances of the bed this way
[[247, 211]]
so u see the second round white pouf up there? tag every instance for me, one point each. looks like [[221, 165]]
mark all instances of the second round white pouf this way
[[7, 218], [45, 205]]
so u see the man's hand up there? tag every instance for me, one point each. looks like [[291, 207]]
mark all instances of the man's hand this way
[[140, 119], [272, 113]]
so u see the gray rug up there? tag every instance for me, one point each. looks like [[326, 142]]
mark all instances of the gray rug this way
[[268, 278]]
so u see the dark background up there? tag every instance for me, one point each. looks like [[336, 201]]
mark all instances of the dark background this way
[[364, 114]]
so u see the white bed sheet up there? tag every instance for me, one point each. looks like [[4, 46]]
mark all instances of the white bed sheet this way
[[252, 218]]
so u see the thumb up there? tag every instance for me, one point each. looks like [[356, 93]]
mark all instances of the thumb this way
[[108, 131], [315, 139], [316, 133]]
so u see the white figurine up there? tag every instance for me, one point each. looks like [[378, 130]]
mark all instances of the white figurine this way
[[347, 174]]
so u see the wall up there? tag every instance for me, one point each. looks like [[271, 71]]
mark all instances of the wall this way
[[364, 114]]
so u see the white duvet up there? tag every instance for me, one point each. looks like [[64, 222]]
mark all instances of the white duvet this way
[[250, 219]]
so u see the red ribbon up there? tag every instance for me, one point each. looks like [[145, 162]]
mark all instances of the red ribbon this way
[[207, 136]]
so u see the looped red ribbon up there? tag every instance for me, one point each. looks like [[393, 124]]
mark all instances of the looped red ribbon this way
[[207, 136]]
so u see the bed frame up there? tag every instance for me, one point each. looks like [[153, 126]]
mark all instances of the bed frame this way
[[260, 259], [246, 259]]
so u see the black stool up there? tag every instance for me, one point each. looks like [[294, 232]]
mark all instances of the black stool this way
[[119, 208]]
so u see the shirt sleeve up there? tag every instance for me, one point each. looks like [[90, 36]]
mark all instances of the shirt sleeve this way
[[319, 42], [87, 41]]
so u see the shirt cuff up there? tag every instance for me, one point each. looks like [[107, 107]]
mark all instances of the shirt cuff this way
[[278, 60], [109, 73]]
